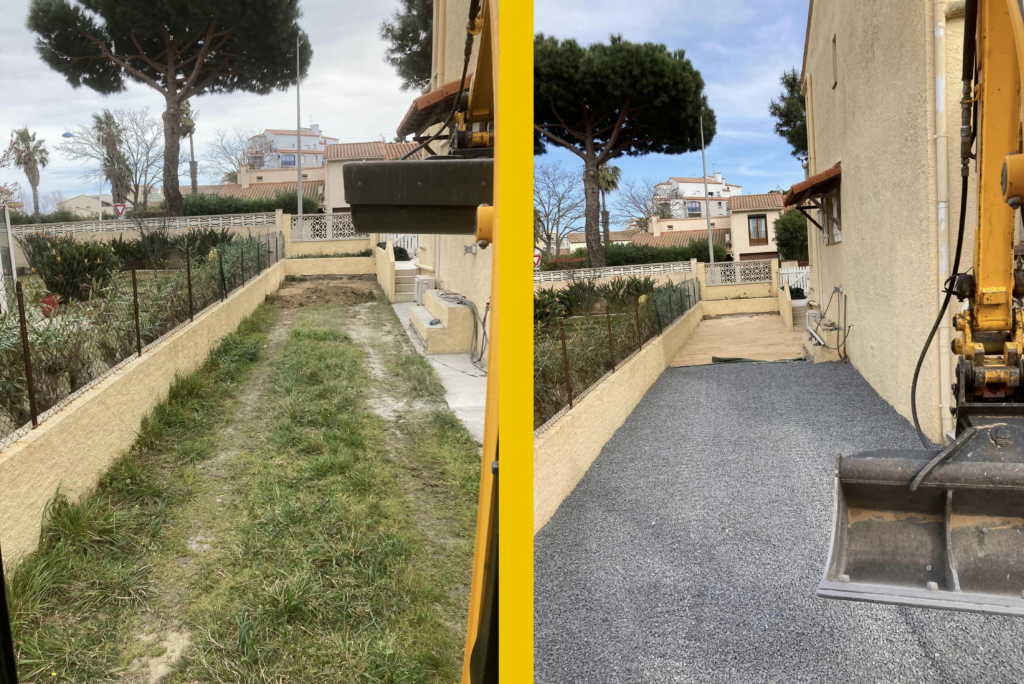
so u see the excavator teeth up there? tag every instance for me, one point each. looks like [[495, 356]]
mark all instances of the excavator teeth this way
[[954, 542]]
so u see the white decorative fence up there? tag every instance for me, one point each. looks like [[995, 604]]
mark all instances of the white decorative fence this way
[[799, 276], [311, 227], [411, 243], [170, 223], [611, 272], [738, 272]]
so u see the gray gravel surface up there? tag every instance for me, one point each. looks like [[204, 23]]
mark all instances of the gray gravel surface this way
[[691, 549]]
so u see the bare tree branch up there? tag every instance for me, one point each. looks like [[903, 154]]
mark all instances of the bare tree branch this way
[[558, 204]]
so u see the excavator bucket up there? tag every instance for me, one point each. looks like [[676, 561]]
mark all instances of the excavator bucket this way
[[953, 541]]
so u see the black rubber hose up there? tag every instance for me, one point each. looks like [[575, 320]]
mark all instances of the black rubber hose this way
[[938, 319]]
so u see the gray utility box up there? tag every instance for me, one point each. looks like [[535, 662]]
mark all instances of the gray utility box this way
[[439, 195]]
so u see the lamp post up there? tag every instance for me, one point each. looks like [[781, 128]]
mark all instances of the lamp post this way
[[707, 203]]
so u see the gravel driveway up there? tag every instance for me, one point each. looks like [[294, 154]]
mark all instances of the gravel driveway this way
[[691, 549]]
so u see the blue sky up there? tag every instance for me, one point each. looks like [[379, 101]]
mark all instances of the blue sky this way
[[349, 91], [741, 47]]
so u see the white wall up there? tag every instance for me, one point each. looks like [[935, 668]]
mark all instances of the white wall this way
[[741, 232]]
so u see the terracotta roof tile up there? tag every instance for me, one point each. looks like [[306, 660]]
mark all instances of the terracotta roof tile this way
[[431, 108], [291, 131], [771, 200], [310, 188], [370, 150], [680, 238], [823, 181]]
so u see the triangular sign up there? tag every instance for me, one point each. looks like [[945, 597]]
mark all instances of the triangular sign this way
[[119, 209]]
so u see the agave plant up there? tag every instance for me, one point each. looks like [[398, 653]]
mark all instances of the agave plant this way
[[580, 297], [546, 307]]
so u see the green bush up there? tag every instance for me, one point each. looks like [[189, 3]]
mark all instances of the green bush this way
[[208, 205], [628, 255], [579, 298], [199, 242], [546, 307], [401, 253], [20, 218], [796, 293], [71, 269]]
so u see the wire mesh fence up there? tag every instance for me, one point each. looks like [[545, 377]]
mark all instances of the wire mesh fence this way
[[573, 353], [82, 312]]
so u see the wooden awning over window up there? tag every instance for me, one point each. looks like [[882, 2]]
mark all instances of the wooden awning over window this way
[[432, 108], [807, 194]]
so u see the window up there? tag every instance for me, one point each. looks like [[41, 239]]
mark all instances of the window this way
[[835, 65], [305, 175], [758, 230], [719, 205], [693, 208], [670, 226], [831, 219], [287, 160], [259, 178]]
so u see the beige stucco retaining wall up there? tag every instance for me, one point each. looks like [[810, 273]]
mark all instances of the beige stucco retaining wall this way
[[296, 249], [330, 266], [786, 306], [660, 279], [74, 447], [732, 307], [385, 268], [742, 291], [563, 453]]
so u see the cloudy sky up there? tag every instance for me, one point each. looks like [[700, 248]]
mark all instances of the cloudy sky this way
[[741, 47], [350, 91]]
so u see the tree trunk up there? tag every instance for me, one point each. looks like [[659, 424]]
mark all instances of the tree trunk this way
[[605, 218], [172, 132], [193, 168], [592, 192], [35, 201]]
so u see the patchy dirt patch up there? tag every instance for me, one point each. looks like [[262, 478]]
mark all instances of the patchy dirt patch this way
[[348, 290], [161, 655]]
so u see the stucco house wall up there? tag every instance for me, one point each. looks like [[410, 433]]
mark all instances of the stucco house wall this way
[[741, 232], [879, 122]]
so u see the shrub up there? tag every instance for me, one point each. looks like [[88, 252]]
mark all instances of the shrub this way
[[199, 242], [579, 298], [203, 205], [69, 268], [546, 307], [401, 253], [796, 293], [21, 218], [566, 263]]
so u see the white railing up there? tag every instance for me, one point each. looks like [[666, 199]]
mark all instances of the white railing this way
[[799, 276], [170, 223], [611, 272], [337, 226], [738, 272], [410, 242]]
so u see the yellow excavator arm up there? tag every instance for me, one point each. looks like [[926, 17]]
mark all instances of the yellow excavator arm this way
[[944, 527]]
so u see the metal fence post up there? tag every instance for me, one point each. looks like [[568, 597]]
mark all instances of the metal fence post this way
[[258, 250], [135, 298], [636, 313], [27, 354], [611, 347], [223, 282], [188, 276], [8, 667], [242, 252], [671, 309], [657, 313], [565, 361]]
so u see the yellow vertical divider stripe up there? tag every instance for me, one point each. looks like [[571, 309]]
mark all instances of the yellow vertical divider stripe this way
[[514, 203]]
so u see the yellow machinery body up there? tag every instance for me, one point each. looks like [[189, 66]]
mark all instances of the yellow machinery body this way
[[944, 527]]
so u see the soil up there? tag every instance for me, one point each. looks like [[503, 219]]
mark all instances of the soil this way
[[349, 290]]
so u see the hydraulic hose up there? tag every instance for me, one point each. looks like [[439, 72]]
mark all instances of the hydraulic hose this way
[[967, 138]]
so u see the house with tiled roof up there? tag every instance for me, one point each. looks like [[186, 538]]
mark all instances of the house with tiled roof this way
[[684, 197], [618, 237], [314, 189], [753, 224], [338, 154], [719, 236]]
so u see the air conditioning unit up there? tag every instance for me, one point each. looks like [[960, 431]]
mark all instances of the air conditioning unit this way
[[422, 284]]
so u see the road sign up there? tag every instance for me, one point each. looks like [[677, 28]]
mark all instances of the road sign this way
[[119, 210], [536, 258]]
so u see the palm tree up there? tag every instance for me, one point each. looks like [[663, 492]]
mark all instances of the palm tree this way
[[110, 135], [608, 181], [30, 155]]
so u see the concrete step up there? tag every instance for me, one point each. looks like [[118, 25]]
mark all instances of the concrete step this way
[[439, 338], [404, 287], [405, 279], [404, 296]]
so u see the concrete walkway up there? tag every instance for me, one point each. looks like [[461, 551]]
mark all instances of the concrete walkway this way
[[691, 549], [762, 337], [465, 385]]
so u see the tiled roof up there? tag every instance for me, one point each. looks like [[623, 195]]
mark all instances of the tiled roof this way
[[772, 200], [616, 236], [370, 150], [431, 108], [681, 238], [310, 188], [818, 183], [711, 181]]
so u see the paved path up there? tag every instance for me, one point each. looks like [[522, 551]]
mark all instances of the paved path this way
[[691, 549], [760, 336]]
